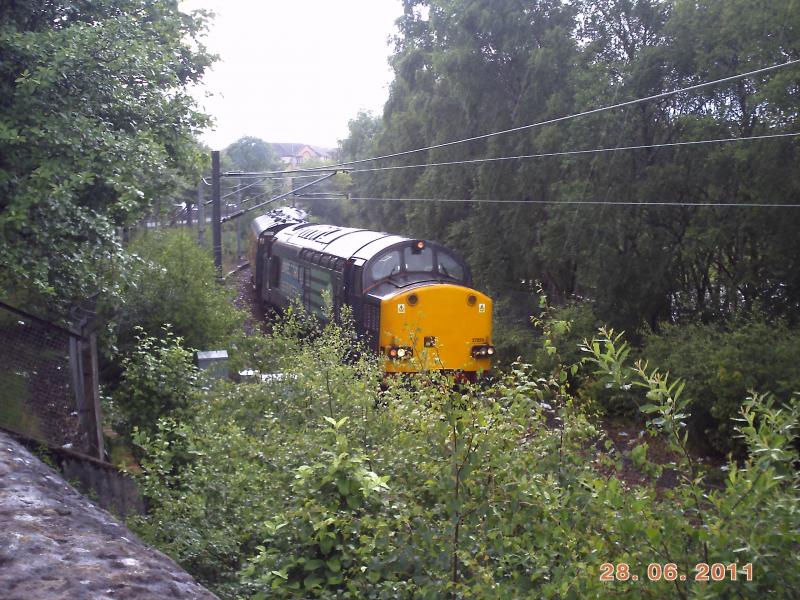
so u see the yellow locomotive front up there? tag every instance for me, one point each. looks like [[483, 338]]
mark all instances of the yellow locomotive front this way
[[426, 316], [436, 326]]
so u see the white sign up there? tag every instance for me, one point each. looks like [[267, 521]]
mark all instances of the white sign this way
[[401, 308]]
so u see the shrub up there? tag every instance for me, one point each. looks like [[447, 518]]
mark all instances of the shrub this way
[[563, 331], [158, 379], [721, 365], [337, 529], [174, 284], [324, 484]]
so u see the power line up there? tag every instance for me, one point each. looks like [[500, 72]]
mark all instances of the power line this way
[[572, 116], [261, 195], [293, 173], [237, 190], [575, 152], [575, 202], [265, 175], [278, 197]]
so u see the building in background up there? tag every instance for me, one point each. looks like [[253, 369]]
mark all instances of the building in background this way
[[293, 155]]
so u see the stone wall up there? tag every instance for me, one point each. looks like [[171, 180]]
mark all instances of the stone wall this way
[[55, 544]]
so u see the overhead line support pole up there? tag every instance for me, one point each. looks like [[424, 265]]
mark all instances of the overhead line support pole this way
[[216, 213], [201, 215], [239, 222]]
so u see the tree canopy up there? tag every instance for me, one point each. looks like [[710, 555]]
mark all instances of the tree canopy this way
[[95, 122], [464, 68], [250, 154]]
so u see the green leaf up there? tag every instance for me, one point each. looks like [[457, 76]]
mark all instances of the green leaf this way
[[313, 564], [283, 574], [334, 565]]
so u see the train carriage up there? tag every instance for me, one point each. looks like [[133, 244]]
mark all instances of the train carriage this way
[[412, 300]]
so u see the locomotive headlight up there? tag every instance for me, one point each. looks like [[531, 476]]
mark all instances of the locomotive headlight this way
[[400, 352], [483, 351]]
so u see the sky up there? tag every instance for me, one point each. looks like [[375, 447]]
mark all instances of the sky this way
[[294, 71]]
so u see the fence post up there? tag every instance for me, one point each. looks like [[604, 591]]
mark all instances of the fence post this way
[[91, 391], [78, 381], [216, 226], [86, 383]]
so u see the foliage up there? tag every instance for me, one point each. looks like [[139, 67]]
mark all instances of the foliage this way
[[95, 122], [158, 380], [342, 526], [363, 131], [464, 68], [174, 283], [322, 483], [250, 154], [717, 524], [722, 364], [563, 330]]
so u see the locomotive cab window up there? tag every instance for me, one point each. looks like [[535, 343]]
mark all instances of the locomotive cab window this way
[[411, 262], [384, 266], [418, 261], [449, 266]]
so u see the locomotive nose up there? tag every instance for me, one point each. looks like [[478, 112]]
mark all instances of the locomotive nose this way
[[440, 326]]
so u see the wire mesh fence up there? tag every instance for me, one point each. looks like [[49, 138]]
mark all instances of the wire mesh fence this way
[[48, 384]]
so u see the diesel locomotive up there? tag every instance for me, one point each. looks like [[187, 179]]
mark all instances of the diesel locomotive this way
[[412, 300]]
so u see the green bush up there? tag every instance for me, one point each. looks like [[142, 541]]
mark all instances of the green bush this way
[[563, 331], [324, 484], [174, 284], [340, 525], [158, 380], [722, 365]]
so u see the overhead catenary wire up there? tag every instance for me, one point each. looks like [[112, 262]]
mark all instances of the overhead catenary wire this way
[[342, 166], [237, 190], [241, 212], [267, 175], [562, 118], [575, 152], [578, 202]]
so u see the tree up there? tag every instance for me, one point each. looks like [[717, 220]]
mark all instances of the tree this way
[[95, 122], [364, 131], [250, 154], [464, 68]]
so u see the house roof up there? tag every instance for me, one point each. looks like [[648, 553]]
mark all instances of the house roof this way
[[288, 149], [293, 149]]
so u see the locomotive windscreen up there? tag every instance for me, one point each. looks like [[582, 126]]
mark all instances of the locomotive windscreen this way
[[409, 260]]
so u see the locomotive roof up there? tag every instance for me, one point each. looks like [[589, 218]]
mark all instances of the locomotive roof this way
[[343, 242], [280, 216]]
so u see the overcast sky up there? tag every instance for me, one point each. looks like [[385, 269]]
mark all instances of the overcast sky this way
[[295, 71]]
